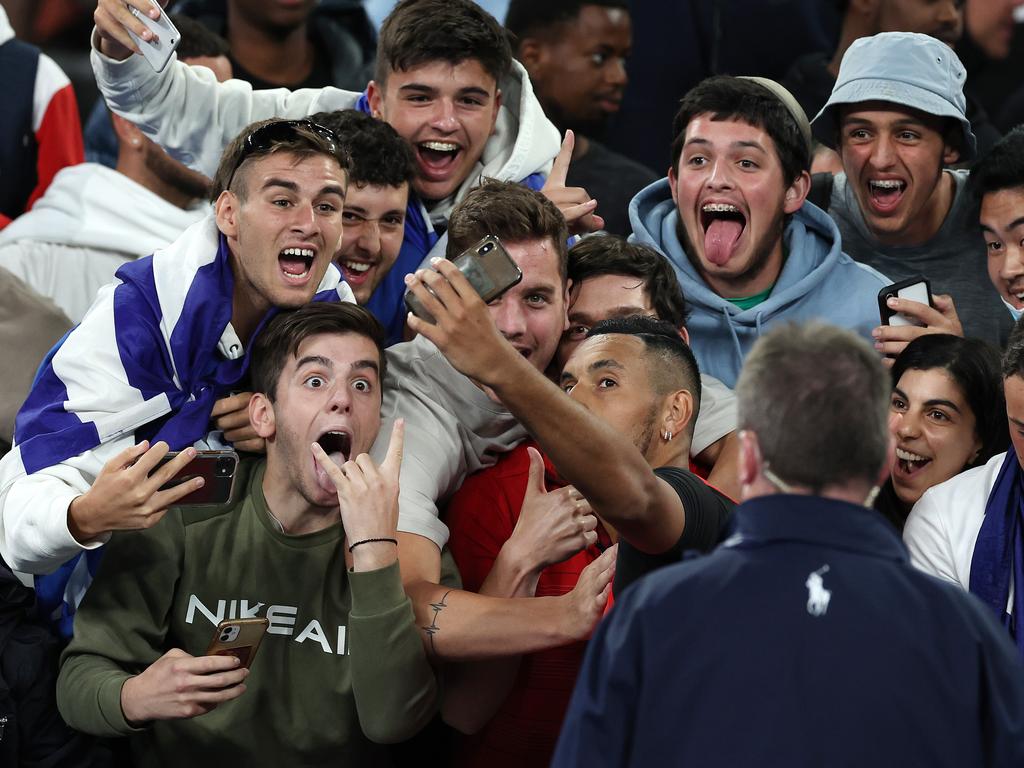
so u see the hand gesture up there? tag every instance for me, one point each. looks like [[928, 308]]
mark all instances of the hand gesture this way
[[125, 496], [588, 599], [576, 205], [113, 20], [231, 416], [552, 526], [178, 685], [463, 328], [890, 340], [368, 499]]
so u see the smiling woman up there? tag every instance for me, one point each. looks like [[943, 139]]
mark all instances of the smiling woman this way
[[947, 414]]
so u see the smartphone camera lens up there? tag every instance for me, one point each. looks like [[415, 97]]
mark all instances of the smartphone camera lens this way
[[223, 467], [486, 248]]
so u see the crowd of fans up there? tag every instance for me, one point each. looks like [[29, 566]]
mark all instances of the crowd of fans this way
[[729, 473]]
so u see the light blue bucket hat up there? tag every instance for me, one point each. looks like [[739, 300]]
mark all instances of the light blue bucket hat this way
[[904, 68]]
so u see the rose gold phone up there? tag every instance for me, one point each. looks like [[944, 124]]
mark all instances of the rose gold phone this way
[[240, 638]]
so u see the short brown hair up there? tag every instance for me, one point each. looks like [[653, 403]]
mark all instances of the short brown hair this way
[[423, 31], [817, 397], [512, 213], [281, 336], [302, 143]]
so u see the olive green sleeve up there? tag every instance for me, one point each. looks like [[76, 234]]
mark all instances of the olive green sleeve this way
[[394, 685], [121, 626]]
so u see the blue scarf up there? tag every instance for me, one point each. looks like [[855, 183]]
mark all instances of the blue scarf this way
[[999, 551]]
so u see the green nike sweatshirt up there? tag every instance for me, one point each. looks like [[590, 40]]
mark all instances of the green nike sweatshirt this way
[[341, 669]]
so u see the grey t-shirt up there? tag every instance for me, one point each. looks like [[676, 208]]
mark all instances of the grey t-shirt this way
[[954, 260]]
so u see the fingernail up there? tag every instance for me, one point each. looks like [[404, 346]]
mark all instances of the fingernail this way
[[191, 452], [435, 260], [876, 332], [878, 346], [409, 279], [892, 301], [200, 482]]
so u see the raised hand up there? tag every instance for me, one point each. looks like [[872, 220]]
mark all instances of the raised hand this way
[[890, 340], [576, 205], [231, 416], [552, 525], [368, 500], [178, 686], [125, 496], [113, 20]]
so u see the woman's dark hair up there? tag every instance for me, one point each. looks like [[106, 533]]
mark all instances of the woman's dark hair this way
[[974, 366]]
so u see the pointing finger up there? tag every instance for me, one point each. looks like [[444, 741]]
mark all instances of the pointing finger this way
[[560, 167]]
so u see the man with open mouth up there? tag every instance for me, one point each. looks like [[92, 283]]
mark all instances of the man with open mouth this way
[[731, 218], [445, 80], [898, 114]]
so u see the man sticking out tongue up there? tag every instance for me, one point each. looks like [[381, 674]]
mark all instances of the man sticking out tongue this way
[[731, 218]]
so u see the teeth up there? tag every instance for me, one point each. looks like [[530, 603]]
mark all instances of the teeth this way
[[357, 266], [886, 184], [297, 274], [908, 456], [302, 253], [440, 146], [720, 208]]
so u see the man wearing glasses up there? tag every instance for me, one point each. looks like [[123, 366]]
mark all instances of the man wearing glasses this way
[[139, 376]]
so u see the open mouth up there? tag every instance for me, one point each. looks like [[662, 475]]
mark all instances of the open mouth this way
[[356, 272], [723, 225], [437, 158], [296, 262], [338, 446], [910, 464], [885, 194]]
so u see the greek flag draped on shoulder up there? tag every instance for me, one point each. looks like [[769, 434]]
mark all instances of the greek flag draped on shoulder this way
[[149, 359]]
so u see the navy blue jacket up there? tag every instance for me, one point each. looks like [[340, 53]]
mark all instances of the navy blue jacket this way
[[806, 639]]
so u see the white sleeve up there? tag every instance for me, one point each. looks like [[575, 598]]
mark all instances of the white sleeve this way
[[928, 540], [191, 115], [717, 416], [34, 535]]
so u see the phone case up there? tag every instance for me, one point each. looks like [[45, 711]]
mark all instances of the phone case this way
[[915, 288], [488, 268], [240, 638], [158, 51], [218, 470]]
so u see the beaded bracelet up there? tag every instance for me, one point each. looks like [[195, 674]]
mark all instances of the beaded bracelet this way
[[369, 541]]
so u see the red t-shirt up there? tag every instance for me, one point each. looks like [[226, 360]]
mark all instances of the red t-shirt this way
[[481, 518]]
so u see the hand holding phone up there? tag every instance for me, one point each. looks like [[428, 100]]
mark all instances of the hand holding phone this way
[[217, 470], [240, 638], [915, 288], [166, 37], [488, 268]]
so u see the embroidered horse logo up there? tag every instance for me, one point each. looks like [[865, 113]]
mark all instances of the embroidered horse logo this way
[[817, 595]]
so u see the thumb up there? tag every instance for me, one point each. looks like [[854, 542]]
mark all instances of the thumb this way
[[393, 460], [535, 480]]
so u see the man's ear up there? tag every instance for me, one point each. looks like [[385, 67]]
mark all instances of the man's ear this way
[[533, 55], [497, 108], [950, 154], [226, 212], [375, 97], [797, 192], [261, 415], [685, 335], [672, 181], [750, 460], [565, 303], [678, 412]]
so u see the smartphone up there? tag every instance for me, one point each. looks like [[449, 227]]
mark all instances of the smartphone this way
[[217, 468], [487, 266], [165, 37], [240, 638], [914, 288]]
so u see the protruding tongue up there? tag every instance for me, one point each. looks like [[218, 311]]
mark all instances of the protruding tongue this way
[[720, 240], [322, 478]]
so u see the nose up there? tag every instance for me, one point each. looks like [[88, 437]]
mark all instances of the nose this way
[[906, 424], [443, 117], [509, 317], [369, 238], [340, 400], [719, 176], [303, 219], [615, 72], [882, 154], [1013, 264], [949, 13]]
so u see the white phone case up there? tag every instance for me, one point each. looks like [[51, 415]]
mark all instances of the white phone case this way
[[166, 37], [916, 292]]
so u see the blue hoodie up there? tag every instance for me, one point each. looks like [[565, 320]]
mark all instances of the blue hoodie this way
[[818, 281]]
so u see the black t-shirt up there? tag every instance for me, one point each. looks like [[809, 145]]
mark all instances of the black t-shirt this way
[[707, 515], [613, 180]]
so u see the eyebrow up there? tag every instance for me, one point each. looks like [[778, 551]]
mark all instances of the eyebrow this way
[[903, 121], [1013, 225], [426, 89], [291, 186], [616, 312], [326, 362], [362, 211], [929, 403], [1017, 422]]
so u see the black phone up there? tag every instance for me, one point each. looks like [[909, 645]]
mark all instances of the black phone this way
[[915, 288], [218, 470], [488, 268]]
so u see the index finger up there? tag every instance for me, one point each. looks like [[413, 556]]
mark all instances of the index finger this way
[[917, 310], [393, 460], [560, 167], [230, 404]]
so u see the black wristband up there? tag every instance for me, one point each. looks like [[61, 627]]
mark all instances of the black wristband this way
[[370, 541]]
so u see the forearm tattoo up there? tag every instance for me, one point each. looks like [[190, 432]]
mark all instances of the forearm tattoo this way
[[433, 629]]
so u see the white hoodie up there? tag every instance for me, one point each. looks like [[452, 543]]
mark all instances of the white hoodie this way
[[90, 221]]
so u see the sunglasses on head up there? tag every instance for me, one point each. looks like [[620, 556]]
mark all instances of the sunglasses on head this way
[[279, 131]]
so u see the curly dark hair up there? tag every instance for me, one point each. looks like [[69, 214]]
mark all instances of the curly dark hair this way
[[379, 155]]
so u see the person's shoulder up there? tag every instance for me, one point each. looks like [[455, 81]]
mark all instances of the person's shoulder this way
[[685, 481], [966, 487]]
